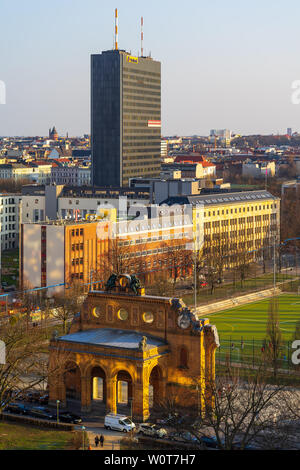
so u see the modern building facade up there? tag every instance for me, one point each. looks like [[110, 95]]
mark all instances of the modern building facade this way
[[40, 203], [64, 251], [9, 220], [125, 117], [240, 221]]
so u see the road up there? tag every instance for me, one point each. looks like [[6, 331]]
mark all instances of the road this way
[[111, 438]]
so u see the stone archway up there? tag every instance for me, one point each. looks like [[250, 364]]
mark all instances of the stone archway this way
[[155, 387], [98, 385], [124, 391]]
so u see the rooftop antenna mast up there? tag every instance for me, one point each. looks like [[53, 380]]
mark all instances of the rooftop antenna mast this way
[[142, 37], [116, 29]]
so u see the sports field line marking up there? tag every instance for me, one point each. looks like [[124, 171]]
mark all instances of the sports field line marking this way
[[230, 326], [287, 321], [252, 303], [249, 320]]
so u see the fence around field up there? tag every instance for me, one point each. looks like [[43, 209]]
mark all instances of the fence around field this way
[[254, 352]]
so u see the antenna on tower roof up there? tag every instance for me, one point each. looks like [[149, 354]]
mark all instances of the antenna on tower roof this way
[[116, 29], [142, 37]]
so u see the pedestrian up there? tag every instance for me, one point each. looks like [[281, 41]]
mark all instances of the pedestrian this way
[[96, 441], [101, 440]]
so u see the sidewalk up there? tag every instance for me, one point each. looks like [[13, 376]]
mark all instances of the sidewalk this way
[[111, 441]]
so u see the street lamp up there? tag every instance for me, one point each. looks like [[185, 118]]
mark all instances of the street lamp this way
[[198, 401], [83, 429], [131, 400], [57, 410]]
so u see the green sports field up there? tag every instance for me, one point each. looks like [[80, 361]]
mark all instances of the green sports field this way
[[242, 331], [250, 321]]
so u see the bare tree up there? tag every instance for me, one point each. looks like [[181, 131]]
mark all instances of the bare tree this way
[[243, 260], [67, 303], [26, 361], [274, 336], [179, 261], [245, 412], [117, 259], [215, 259]]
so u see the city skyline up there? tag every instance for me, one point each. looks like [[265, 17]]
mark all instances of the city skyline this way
[[223, 66]]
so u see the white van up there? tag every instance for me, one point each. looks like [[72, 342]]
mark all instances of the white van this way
[[118, 422]]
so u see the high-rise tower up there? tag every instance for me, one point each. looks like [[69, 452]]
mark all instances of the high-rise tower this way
[[125, 117]]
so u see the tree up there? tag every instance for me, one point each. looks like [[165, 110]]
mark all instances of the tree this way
[[67, 303], [121, 257], [179, 260], [244, 412], [243, 261], [274, 336], [12, 185], [215, 259], [26, 359]]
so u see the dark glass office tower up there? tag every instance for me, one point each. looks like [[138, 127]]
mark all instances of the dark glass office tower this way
[[125, 117]]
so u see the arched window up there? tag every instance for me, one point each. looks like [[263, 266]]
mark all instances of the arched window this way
[[183, 358]]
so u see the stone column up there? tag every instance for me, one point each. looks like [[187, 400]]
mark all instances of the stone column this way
[[86, 400], [163, 388], [140, 408], [111, 395], [57, 391]]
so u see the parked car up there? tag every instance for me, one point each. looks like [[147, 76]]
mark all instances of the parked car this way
[[43, 400], [175, 419], [184, 437], [238, 444], [154, 430], [68, 417], [203, 284], [33, 397], [118, 422], [209, 441], [41, 412], [16, 408]]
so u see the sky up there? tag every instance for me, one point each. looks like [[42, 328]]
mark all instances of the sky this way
[[225, 64]]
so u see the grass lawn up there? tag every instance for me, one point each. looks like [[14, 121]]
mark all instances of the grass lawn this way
[[25, 437], [250, 321]]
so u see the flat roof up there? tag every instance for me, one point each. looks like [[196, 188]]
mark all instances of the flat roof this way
[[113, 338], [222, 197]]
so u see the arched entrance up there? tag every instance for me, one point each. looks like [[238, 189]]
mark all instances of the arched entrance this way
[[72, 381], [155, 387], [98, 385], [124, 392]]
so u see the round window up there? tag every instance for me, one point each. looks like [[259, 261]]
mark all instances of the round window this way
[[96, 312], [122, 314], [148, 317]]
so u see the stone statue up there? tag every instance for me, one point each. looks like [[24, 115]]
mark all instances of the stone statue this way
[[177, 304], [135, 284], [143, 343], [54, 335], [111, 283]]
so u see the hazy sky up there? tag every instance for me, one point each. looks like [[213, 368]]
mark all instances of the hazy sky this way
[[225, 63]]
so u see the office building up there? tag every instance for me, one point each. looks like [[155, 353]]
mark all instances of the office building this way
[[63, 251], [125, 117], [241, 221]]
